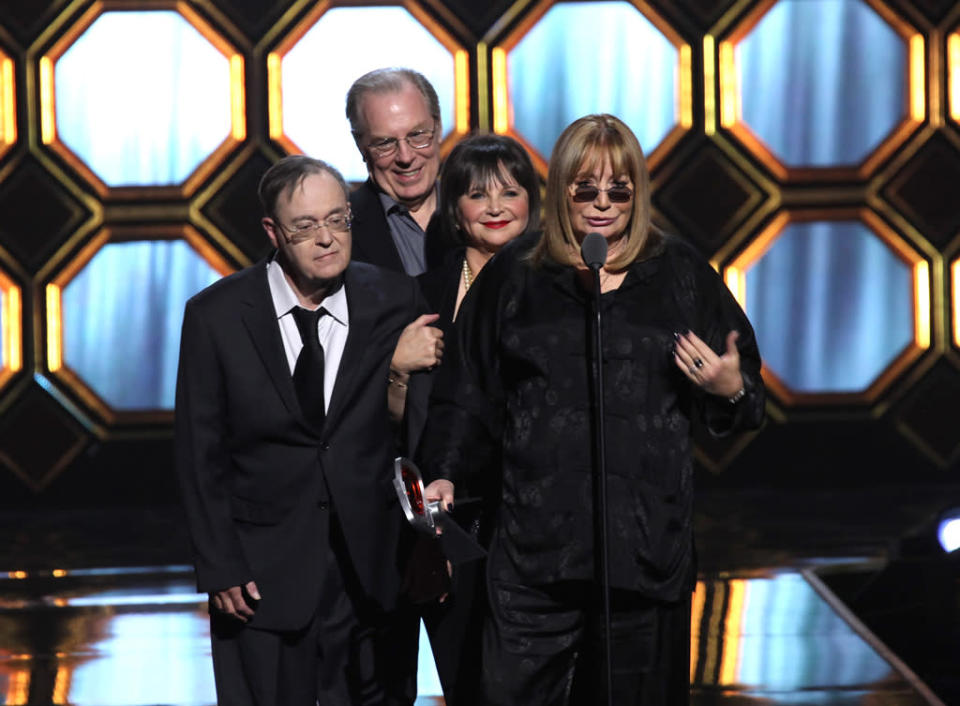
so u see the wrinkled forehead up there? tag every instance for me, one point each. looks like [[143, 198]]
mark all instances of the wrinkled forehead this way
[[393, 108]]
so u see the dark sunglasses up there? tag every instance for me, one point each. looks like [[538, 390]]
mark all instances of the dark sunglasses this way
[[585, 193]]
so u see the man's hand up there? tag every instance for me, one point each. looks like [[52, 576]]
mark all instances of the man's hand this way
[[420, 346], [232, 602]]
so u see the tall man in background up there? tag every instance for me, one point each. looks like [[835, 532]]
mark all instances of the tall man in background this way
[[394, 116], [284, 455]]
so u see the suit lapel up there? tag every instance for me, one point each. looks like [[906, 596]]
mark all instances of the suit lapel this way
[[372, 239], [260, 320], [361, 304]]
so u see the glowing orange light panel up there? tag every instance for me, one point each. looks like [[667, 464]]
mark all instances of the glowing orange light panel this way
[[953, 74], [8, 110], [955, 300], [11, 332]]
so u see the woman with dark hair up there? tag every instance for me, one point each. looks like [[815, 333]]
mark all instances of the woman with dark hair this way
[[489, 195], [514, 398]]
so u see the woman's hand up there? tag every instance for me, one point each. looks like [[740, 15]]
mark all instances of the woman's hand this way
[[718, 375], [420, 346], [441, 490]]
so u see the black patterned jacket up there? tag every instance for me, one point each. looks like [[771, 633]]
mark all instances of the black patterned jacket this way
[[514, 393]]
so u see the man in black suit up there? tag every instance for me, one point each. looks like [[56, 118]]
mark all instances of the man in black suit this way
[[285, 466], [394, 116]]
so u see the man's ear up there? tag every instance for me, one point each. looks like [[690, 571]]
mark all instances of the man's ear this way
[[356, 140], [271, 230]]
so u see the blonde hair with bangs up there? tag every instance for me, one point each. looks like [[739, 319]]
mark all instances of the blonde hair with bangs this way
[[585, 144]]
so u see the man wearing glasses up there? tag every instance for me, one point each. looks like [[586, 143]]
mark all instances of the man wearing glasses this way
[[394, 115], [285, 453]]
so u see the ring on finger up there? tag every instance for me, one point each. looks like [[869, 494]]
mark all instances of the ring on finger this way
[[697, 363]]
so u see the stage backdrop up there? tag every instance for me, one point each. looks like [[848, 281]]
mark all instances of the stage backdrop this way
[[809, 148]]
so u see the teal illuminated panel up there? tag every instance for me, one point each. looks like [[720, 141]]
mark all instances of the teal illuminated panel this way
[[592, 57], [122, 316], [344, 44], [791, 640], [822, 82], [832, 306], [163, 656], [142, 98], [146, 657]]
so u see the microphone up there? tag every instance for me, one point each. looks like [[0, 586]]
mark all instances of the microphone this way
[[593, 250]]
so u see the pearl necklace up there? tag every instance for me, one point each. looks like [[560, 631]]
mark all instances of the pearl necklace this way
[[467, 275]]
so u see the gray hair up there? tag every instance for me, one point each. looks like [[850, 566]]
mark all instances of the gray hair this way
[[284, 176], [387, 81]]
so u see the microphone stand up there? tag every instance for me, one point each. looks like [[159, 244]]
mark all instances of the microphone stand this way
[[600, 455]]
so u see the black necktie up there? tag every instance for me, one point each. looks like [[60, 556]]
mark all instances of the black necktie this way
[[308, 372]]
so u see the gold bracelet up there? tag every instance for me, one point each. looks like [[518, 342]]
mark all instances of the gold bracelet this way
[[741, 393]]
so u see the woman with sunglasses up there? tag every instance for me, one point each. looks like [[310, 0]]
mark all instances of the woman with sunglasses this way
[[516, 390]]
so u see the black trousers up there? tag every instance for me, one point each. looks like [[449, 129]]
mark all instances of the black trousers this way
[[348, 654], [455, 627], [544, 645]]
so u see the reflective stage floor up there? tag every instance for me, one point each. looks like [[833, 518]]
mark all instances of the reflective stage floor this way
[[781, 633]]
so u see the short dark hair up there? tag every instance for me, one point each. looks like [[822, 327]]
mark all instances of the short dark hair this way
[[388, 81], [284, 176], [476, 160]]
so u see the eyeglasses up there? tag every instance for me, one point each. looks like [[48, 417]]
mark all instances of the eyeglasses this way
[[337, 223], [418, 140], [584, 193]]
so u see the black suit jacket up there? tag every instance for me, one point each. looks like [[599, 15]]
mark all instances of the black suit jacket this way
[[256, 479], [372, 241], [439, 287]]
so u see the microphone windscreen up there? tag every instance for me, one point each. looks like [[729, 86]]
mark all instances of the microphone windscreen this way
[[593, 250]]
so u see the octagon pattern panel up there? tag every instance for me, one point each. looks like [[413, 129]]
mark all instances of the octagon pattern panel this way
[[147, 120]]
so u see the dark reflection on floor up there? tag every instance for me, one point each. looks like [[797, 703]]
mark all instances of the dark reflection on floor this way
[[912, 604], [773, 614]]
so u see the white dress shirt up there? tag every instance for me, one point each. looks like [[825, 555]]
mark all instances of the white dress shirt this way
[[332, 328]]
